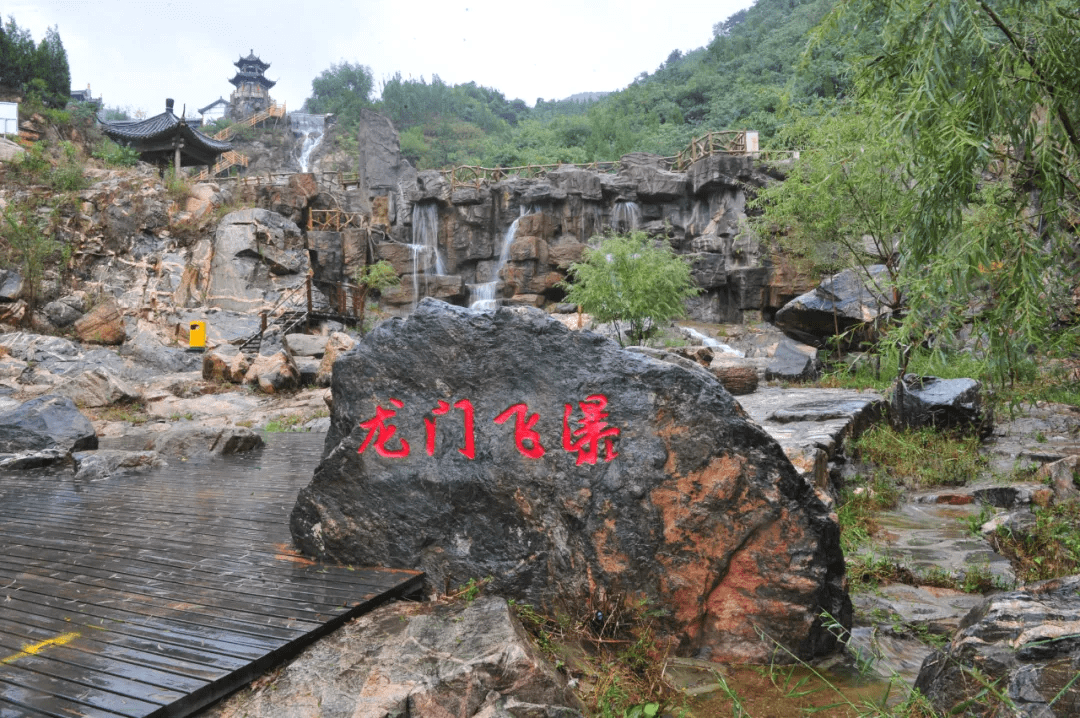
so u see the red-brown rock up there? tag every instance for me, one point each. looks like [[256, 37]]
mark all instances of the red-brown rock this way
[[675, 497]]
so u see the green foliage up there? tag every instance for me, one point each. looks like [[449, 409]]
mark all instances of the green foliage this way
[[630, 278], [25, 233], [843, 203], [342, 90], [1049, 549], [922, 457], [40, 72], [376, 277], [985, 98], [116, 155]]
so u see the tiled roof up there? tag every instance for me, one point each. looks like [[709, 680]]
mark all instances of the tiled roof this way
[[258, 77], [160, 127], [252, 59], [218, 101]]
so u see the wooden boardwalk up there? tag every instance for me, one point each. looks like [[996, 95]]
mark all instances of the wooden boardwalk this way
[[156, 594]]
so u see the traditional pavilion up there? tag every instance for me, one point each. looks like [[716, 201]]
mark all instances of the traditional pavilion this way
[[214, 111], [252, 93], [167, 139]]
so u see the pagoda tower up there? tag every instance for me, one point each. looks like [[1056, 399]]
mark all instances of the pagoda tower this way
[[252, 93]]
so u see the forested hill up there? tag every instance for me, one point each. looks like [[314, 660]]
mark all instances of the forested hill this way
[[748, 77]]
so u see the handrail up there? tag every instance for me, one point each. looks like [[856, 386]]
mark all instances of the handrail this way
[[274, 110], [228, 159]]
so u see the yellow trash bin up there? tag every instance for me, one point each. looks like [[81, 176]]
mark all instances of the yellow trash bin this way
[[197, 337]]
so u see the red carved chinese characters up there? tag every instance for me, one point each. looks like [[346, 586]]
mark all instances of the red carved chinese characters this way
[[382, 432], [523, 430], [594, 430], [470, 435]]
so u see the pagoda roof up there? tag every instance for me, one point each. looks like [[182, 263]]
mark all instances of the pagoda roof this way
[[257, 77], [252, 59], [218, 101], [156, 139]]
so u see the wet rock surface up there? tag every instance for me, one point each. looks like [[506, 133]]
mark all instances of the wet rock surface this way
[[941, 403], [839, 304], [812, 425], [472, 660], [1026, 642], [194, 441], [681, 497], [47, 422]]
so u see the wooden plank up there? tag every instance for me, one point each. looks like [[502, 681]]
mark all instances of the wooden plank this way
[[169, 589]]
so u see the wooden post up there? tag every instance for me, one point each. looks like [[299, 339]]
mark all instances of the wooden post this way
[[309, 294], [262, 323]]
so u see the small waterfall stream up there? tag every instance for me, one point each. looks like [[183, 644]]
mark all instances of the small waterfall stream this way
[[312, 128], [625, 217], [483, 295], [425, 240]]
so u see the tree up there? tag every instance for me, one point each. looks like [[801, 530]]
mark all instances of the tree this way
[[343, 90], [844, 203], [51, 65], [630, 278], [986, 96], [373, 277]]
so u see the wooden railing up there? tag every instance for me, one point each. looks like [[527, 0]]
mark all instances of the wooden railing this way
[[471, 176], [731, 142], [228, 159], [274, 110], [333, 220], [726, 142]]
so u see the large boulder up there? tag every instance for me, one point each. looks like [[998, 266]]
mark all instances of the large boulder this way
[[274, 373], [103, 325], [941, 403], [202, 441], [97, 387], [47, 422], [851, 299], [570, 470], [255, 252], [419, 659], [98, 465], [337, 344], [1026, 643]]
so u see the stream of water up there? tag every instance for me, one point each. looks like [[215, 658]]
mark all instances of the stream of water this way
[[312, 128]]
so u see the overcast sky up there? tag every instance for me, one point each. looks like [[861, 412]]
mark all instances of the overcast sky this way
[[135, 53]]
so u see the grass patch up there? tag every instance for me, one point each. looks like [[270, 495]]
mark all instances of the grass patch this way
[[858, 507], [133, 412], [921, 458], [614, 652], [292, 422], [1051, 548]]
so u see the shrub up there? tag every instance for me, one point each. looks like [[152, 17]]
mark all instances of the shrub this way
[[630, 278]]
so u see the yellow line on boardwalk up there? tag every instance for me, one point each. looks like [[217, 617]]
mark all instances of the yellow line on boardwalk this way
[[32, 649]]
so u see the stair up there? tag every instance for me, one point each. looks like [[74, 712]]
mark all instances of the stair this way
[[287, 321], [232, 158], [229, 159]]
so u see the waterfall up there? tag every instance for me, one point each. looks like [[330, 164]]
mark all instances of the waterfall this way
[[483, 295], [710, 342], [425, 241], [311, 128], [625, 217], [425, 231]]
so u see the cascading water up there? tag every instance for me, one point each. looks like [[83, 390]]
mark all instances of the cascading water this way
[[710, 342], [311, 128], [625, 216], [483, 295], [425, 239]]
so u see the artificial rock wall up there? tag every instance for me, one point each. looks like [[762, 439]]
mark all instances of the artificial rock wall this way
[[444, 238]]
